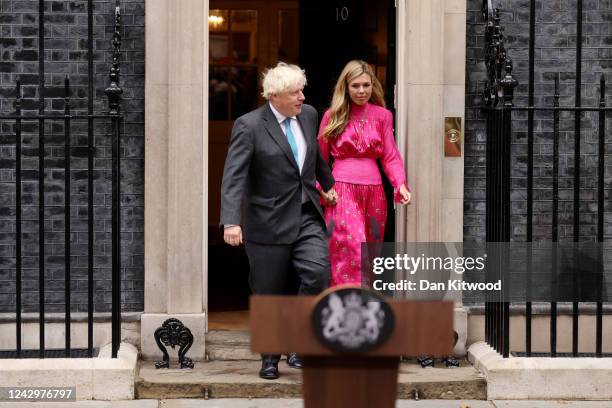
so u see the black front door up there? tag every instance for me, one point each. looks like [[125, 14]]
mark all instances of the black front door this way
[[334, 32], [337, 31]]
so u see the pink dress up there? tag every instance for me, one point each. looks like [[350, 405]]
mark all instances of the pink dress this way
[[361, 212]]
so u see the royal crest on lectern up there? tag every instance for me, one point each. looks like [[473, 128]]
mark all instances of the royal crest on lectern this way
[[352, 320]]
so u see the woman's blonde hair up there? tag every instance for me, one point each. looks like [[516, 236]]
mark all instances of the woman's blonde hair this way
[[339, 110]]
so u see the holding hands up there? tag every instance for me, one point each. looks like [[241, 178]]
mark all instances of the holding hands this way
[[330, 197]]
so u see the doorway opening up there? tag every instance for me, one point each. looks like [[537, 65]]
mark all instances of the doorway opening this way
[[246, 36]]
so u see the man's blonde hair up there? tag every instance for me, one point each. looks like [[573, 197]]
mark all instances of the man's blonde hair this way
[[282, 78]]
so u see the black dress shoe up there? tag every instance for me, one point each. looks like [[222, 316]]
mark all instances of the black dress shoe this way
[[451, 362], [269, 370], [295, 361], [426, 361]]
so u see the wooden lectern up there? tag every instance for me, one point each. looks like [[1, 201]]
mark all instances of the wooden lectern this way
[[335, 378]]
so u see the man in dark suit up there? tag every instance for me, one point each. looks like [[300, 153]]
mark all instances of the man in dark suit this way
[[272, 167]]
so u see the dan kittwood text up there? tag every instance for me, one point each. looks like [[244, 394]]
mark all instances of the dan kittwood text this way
[[412, 265]]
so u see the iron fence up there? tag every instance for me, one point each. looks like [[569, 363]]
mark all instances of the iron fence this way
[[499, 108], [115, 117]]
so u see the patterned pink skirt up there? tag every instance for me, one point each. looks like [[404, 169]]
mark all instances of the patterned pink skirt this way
[[359, 216]]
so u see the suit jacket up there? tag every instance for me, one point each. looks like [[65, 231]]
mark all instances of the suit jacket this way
[[261, 172]]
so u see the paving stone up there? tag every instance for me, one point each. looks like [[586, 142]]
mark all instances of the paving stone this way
[[84, 404], [444, 404], [298, 403], [233, 403], [553, 404]]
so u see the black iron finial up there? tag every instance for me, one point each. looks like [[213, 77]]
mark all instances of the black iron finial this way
[[18, 97], [602, 91], [67, 90], [486, 9], [508, 83], [114, 91]]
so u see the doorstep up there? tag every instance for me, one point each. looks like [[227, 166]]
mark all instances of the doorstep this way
[[238, 379]]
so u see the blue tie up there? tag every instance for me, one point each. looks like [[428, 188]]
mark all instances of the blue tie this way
[[291, 139]]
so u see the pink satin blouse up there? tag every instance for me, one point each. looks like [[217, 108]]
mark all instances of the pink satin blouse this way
[[368, 136]]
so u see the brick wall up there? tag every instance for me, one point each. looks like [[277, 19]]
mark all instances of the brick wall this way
[[554, 54], [66, 55]]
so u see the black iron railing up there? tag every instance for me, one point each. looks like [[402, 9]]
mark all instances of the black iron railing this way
[[498, 106], [115, 117]]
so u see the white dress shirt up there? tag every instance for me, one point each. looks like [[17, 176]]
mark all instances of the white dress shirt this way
[[296, 129]]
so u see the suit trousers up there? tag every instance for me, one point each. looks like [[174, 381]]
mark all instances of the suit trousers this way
[[271, 266], [308, 257]]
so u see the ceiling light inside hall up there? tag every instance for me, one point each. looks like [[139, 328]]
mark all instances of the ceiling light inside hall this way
[[215, 21]]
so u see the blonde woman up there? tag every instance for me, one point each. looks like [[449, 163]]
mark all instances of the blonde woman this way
[[357, 130]]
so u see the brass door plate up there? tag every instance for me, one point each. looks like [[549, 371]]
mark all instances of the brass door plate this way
[[452, 136]]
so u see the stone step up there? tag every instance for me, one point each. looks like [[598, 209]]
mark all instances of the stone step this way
[[238, 379], [224, 345]]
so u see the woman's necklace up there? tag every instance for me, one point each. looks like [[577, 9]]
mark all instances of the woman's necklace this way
[[360, 127]]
